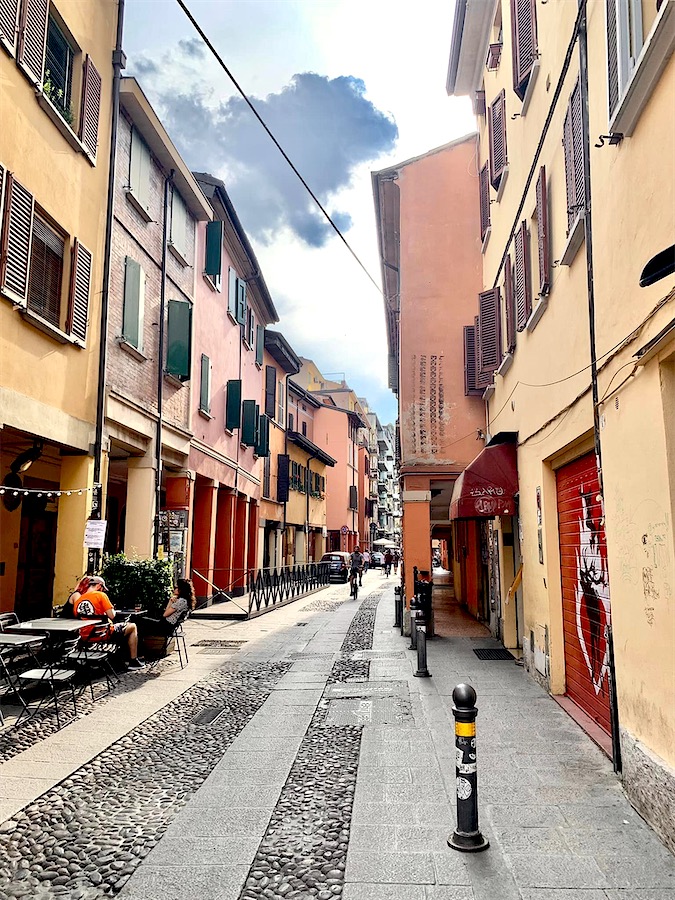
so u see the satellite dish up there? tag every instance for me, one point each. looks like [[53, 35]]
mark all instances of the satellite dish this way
[[12, 483]]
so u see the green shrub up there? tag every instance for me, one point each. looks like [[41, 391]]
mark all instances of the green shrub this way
[[131, 582]]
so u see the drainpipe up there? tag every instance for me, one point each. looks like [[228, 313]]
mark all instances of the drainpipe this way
[[307, 485], [118, 63], [160, 366], [583, 84], [285, 426]]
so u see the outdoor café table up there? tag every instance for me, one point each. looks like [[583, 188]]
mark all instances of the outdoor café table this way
[[57, 631], [12, 643]]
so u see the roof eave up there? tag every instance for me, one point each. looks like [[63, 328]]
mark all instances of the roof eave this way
[[468, 49]]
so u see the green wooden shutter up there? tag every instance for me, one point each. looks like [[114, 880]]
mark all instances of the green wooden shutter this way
[[179, 343], [134, 288], [139, 170], [214, 249], [270, 391], [232, 292], [259, 343], [263, 446], [249, 423], [241, 302], [205, 385], [233, 405]]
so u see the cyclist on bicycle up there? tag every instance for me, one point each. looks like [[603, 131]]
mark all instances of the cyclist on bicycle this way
[[355, 567], [388, 560]]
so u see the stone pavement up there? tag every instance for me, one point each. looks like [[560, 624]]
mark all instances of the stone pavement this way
[[311, 763]]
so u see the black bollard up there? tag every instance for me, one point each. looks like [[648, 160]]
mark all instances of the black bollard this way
[[466, 836], [413, 629], [422, 671], [398, 606]]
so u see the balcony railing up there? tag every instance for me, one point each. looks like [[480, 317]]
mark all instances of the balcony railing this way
[[268, 588]]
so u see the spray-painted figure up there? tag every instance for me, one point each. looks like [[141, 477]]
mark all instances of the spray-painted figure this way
[[591, 594]]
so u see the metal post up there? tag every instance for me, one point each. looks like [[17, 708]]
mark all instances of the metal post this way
[[466, 836], [413, 629], [398, 607], [422, 671]]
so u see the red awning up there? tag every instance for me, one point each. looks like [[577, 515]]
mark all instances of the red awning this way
[[487, 487]]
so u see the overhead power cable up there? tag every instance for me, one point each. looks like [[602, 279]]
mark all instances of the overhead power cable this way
[[200, 31]]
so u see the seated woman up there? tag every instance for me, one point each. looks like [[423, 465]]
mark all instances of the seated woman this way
[[181, 601], [94, 602], [68, 608]]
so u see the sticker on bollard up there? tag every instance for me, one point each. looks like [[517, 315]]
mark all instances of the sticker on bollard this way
[[466, 836]]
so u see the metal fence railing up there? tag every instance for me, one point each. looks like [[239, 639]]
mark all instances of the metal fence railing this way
[[268, 588]]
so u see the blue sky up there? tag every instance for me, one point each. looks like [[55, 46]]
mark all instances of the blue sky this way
[[347, 87]]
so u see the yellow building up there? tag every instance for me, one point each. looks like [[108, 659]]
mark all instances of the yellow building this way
[[576, 356], [56, 82]]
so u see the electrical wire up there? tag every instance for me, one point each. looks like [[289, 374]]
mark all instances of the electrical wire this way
[[200, 31]]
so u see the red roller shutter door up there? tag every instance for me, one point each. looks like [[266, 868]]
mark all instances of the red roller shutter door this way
[[585, 588]]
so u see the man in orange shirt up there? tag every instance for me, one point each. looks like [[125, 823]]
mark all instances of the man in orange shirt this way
[[94, 602]]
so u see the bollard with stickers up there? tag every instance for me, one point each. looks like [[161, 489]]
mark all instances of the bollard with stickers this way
[[466, 836], [398, 606]]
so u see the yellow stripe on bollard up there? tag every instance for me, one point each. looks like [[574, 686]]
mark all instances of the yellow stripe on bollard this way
[[465, 729]]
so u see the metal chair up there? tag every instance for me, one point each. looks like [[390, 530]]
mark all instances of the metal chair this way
[[55, 678], [178, 635], [9, 618], [94, 654]]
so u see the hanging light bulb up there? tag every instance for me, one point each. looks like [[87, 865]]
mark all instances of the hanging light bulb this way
[[15, 493], [79, 493], [2, 490], [68, 493]]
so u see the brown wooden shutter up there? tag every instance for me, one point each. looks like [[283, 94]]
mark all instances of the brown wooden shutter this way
[[2, 205], [484, 188], [91, 104], [577, 138], [470, 385], [78, 301], [510, 306], [33, 38], [497, 138], [482, 380], [543, 234], [9, 14], [612, 57], [522, 286], [17, 231], [270, 391], [568, 147], [524, 37], [490, 333]]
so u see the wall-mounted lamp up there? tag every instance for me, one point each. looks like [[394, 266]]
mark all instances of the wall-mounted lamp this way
[[25, 460]]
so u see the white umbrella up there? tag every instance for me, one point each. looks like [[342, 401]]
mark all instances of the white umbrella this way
[[384, 542]]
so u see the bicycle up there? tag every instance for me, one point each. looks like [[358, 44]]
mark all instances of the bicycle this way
[[354, 584]]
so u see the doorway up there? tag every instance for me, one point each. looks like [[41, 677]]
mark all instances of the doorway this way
[[37, 555]]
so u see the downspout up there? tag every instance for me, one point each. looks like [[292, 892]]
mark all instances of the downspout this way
[[307, 486], [160, 366], [118, 63], [585, 128], [285, 427]]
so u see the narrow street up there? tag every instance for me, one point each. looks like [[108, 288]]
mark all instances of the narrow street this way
[[296, 756]]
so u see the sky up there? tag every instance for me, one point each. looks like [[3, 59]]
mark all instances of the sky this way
[[347, 87]]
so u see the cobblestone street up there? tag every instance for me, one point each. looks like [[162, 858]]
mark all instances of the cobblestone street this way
[[308, 762]]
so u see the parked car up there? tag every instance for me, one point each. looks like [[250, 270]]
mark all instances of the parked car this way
[[376, 560], [338, 564]]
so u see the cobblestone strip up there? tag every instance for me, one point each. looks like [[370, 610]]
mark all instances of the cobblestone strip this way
[[303, 854], [85, 837]]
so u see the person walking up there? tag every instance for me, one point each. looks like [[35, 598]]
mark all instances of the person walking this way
[[397, 557], [366, 560]]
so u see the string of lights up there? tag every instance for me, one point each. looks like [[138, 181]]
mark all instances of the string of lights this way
[[41, 492]]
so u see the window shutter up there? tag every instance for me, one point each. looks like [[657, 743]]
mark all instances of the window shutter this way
[[17, 231], [214, 249], [612, 56], [179, 224], [250, 327], [497, 138], [134, 288], [522, 286], [489, 339], [270, 391], [205, 385], [259, 343], [577, 138], [241, 302], [232, 292], [2, 201], [353, 497], [33, 38], [510, 306], [9, 14], [568, 147], [80, 283], [282, 477], [139, 170], [542, 234], [484, 188], [470, 386], [179, 343], [524, 36], [262, 448], [249, 423], [482, 380], [91, 105], [233, 404]]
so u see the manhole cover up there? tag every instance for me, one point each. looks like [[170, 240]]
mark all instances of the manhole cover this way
[[229, 645], [489, 653], [208, 716], [375, 711]]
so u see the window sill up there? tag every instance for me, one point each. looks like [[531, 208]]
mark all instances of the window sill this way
[[176, 382], [529, 90], [212, 285], [47, 328], [505, 365], [575, 239], [175, 252], [131, 350], [229, 431], [205, 414], [536, 314], [6, 46], [138, 206], [58, 120], [502, 183], [247, 345], [655, 53], [489, 392], [486, 239]]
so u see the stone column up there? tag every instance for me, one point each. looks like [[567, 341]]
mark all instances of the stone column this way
[[140, 517], [204, 535]]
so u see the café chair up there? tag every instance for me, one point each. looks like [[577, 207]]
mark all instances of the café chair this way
[[55, 679], [7, 619], [178, 635], [93, 655]]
